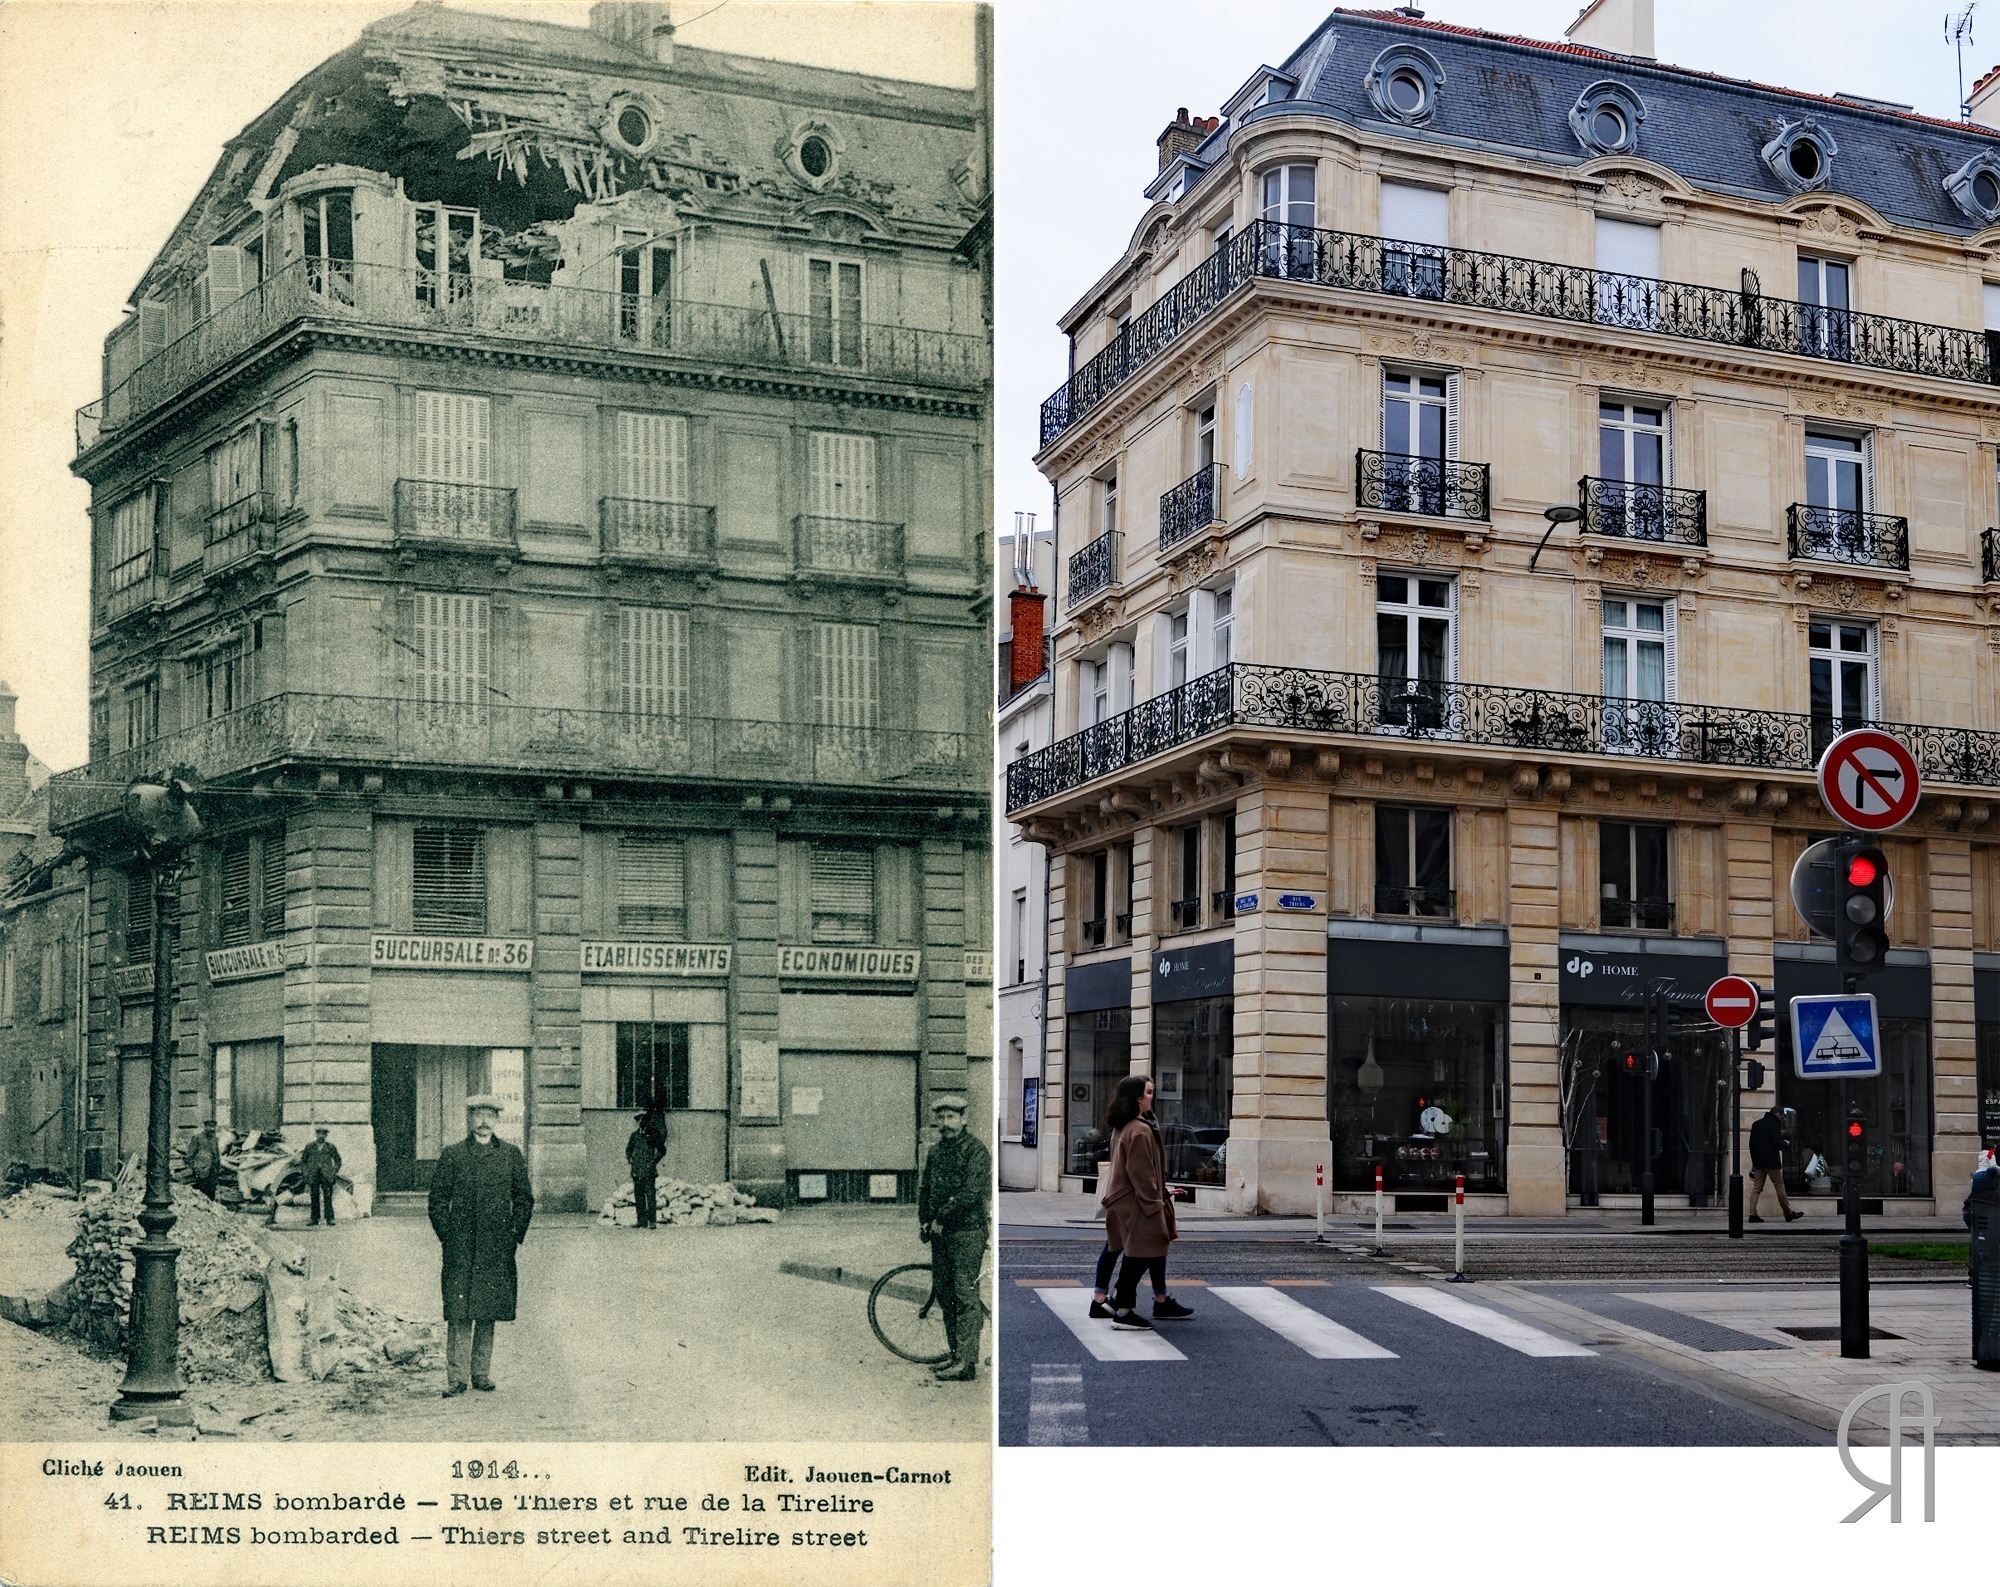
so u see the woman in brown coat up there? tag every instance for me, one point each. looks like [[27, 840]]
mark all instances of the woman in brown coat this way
[[1138, 1209]]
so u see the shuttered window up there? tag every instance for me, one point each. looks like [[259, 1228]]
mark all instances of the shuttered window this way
[[448, 880], [452, 648], [233, 470], [843, 895], [652, 661], [236, 893], [844, 674], [454, 438], [652, 1066], [652, 885], [251, 888], [652, 457], [131, 558], [139, 919], [271, 885], [842, 476]]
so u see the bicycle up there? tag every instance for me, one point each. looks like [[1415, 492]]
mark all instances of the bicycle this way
[[907, 1316]]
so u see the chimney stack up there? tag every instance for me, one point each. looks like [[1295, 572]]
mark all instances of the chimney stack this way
[[13, 757], [1624, 27], [1026, 645], [646, 27], [1184, 136], [1983, 106]]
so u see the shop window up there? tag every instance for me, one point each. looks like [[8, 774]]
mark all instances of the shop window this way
[[1413, 861], [1194, 1086], [1185, 850], [250, 879], [843, 894], [1417, 1087], [1633, 873], [448, 881], [1098, 1054], [841, 476], [652, 885], [652, 1067]]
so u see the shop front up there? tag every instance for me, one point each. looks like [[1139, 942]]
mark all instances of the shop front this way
[[1604, 1079], [1098, 1049], [244, 1022], [1417, 1057], [1194, 1076]]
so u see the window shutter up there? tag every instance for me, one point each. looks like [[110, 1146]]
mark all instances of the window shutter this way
[[844, 674], [153, 327], [1416, 214], [1672, 625], [1667, 445], [448, 888], [652, 661], [1452, 676], [1451, 422], [454, 434], [652, 457], [452, 648], [842, 480], [843, 895], [1868, 473], [235, 922], [1627, 248], [225, 275], [652, 884]]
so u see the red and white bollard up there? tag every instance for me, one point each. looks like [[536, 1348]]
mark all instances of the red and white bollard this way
[[1378, 1206], [1458, 1218], [1319, 1204]]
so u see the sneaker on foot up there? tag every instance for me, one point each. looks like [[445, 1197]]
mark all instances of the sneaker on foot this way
[[1167, 1306], [1793, 1216], [1099, 1310], [1130, 1319]]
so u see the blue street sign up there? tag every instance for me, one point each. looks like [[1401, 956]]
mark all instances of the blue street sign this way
[[1836, 1038], [1297, 901], [1246, 903]]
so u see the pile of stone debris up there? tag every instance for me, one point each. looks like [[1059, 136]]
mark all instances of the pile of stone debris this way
[[680, 1202]]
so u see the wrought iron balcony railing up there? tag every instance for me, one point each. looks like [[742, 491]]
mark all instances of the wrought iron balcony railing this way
[[1299, 700], [1628, 511], [1188, 508], [358, 295], [1434, 902], [1186, 913], [1442, 487], [1840, 534], [660, 533], [1637, 914], [496, 738], [481, 516], [1989, 556], [1093, 933], [1740, 316], [848, 548], [1094, 569], [1222, 903]]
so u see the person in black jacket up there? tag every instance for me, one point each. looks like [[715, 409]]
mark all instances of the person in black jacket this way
[[480, 1205], [1767, 1162], [642, 1156], [320, 1164], [953, 1196]]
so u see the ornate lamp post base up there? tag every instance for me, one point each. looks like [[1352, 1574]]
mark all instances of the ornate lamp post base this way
[[152, 1385]]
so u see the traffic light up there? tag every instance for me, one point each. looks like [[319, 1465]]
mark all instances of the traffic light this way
[[1753, 1078], [1860, 903], [1638, 1065], [1759, 1032], [1857, 1145]]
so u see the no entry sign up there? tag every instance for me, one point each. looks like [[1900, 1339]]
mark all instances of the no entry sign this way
[[1731, 1001], [1869, 780]]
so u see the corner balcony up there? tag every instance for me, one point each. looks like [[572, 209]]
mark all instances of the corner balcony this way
[[1841, 534], [1470, 715], [1661, 514], [1189, 509], [657, 534], [854, 550], [1435, 486], [1093, 570], [1463, 277], [361, 296], [443, 513], [326, 731], [235, 533], [1989, 556]]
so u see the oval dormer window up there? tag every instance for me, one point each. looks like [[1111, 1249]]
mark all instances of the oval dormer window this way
[[1606, 117], [815, 157], [1807, 163], [1801, 155], [1408, 92], [1986, 191], [634, 126], [1404, 83], [1975, 188]]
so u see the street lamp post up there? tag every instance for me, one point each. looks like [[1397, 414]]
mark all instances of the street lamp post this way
[[164, 821]]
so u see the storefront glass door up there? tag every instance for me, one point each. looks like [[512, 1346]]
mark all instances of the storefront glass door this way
[[1100, 1055], [1604, 1103]]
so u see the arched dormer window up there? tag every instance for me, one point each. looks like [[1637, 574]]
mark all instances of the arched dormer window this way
[[1975, 188], [1801, 155]]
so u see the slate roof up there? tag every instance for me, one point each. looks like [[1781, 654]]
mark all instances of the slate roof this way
[[1515, 94]]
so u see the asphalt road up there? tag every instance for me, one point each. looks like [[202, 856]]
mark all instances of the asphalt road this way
[[1292, 1344]]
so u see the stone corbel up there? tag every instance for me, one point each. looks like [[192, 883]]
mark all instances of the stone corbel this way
[[1773, 798], [1949, 812], [1215, 769], [1277, 761], [1600, 784], [1371, 530], [1802, 579], [1236, 762], [1371, 766], [1978, 813], [1743, 796], [1126, 802], [1527, 781], [1475, 776], [1648, 789], [1326, 763], [1557, 780]]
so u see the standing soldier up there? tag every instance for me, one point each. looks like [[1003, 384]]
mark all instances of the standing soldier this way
[[952, 1199], [480, 1205], [642, 1153], [204, 1159], [320, 1163]]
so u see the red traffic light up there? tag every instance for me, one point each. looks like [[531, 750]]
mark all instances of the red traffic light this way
[[1861, 871], [1854, 1129]]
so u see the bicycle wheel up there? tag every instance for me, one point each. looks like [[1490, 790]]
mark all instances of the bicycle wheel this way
[[906, 1316]]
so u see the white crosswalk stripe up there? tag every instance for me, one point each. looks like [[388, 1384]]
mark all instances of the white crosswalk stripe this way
[[1098, 1336], [1056, 1412], [1313, 1332], [1494, 1325]]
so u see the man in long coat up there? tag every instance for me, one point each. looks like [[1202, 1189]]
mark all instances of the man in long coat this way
[[953, 1196], [480, 1206], [320, 1164], [642, 1156]]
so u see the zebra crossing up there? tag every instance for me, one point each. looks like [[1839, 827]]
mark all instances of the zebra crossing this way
[[1305, 1327]]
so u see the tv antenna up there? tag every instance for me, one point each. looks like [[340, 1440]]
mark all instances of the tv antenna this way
[[1958, 30]]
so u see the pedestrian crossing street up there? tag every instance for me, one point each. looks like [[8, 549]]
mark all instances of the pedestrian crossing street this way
[[1303, 1326]]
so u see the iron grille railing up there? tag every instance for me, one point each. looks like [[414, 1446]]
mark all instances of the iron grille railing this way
[[1188, 508], [1637, 914], [1989, 556], [1297, 699], [1094, 569], [1186, 913], [1841, 534], [1630, 511], [1741, 317], [433, 509], [1093, 933], [854, 548], [1443, 487], [657, 531], [1436, 902]]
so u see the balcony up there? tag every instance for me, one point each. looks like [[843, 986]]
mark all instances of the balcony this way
[[669, 534], [1188, 509], [726, 336], [1094, 569], [853, 549], [1841, 534], [439, 512], [1659, 513], [1360, 704], [131, 586], [325, 730], [1989, 556], [1437, 486], [1465, 278], [242, 529]]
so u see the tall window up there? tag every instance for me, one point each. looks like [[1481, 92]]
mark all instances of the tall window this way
[[251, 888], [652, 661], [844, 675], [1632, 870], [1290, 213], [1222, 631], [1204, 438], [645, 290], [448, 880], [233, 482], [1416, 647], [1416, 227], [1020, 937], [1186, 851], [1413, 861], [1836, 472], [1107, 519], [131, 549], [1177, 649], [1825, 328], [842, 480], [1224, 898], [1097, 897], [452, 648], [1419, 432], [843, 894], [1638, 673], [55, 977], [1631, 442], [652, 885], [142, 712], [1096, 691], [1628, 270], [835, 299], [326, 226], [652, 457], [1845, 688], [652, 1066], [447, 241], [454, 437], [223, 679]]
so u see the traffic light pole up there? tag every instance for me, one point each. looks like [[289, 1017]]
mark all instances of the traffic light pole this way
[[1853, 1250], [1655, 1019], [1736, 1135]]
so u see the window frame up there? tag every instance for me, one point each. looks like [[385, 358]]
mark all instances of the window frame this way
[[625, 1059], [845, 344], [860, 930], [1404, 818], [1835, 656], [1399, 708], [472, 884], [1630, 431], [1628, 865]]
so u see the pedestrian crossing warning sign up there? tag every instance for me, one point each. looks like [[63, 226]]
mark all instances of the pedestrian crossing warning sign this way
[[1836, 1038]]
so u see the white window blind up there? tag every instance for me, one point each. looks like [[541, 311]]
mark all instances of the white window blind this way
[[452, 648], [448, 880], [1628, 249], [132, 539], [652, 457], [844, 674], [652, 884], [842, 483], [233, 470], [843, 895], [454, 437], [652, 661], [1416, 214]]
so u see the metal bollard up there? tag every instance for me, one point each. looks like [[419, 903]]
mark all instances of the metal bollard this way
[[1458, 1218], [1378, 1206], [1319, 1204]]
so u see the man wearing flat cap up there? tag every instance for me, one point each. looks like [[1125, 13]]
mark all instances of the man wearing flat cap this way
[[480, 1206], [320, 1164], [952, 1198]]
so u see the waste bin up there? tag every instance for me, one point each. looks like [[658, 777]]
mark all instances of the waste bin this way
[[1982, 1212]]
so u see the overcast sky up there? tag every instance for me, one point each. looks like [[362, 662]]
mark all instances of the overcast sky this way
[[116, 112]]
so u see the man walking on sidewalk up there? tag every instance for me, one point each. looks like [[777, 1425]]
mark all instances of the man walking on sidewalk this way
[[480, 1205], [1767, 1162]]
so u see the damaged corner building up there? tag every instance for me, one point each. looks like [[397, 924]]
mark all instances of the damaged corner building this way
[[539, 498]]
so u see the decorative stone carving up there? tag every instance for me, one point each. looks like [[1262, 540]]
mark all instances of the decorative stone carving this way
[[1100, 618], [1193, 566], [1421, 344]]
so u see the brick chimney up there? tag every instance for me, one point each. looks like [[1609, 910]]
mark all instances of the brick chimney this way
[[13, 757], [1024, 666], [1984, 105], [1184, 136]]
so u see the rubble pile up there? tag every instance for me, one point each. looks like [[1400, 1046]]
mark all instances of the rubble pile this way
[[680, 1202]]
